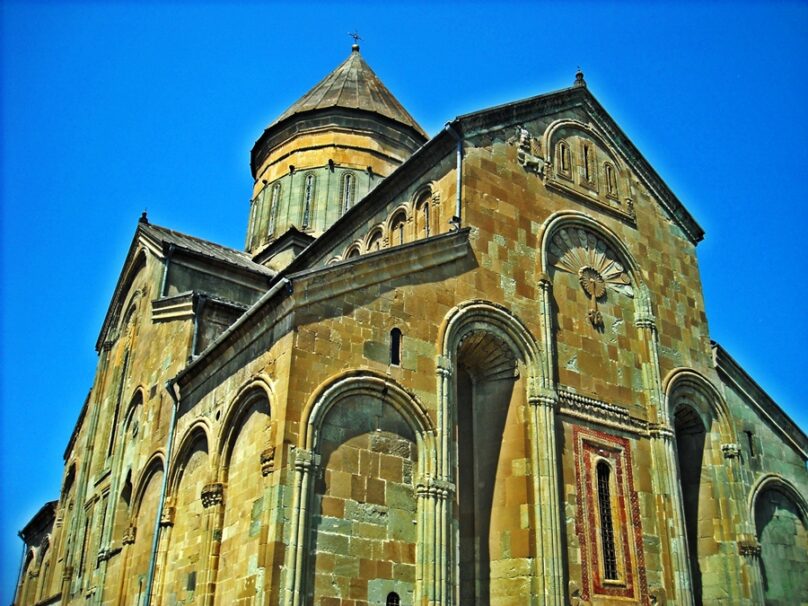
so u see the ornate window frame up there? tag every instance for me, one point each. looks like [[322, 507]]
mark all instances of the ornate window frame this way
[[591, 447], [347, 191]]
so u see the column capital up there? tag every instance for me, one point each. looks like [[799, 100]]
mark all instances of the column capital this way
[[749, 547], [545, 283], [435, 488], [645, 320], [305, 460], [167, 518], [444, 366], [129, 535], [543, 397], [731, 450], [212, 494], [661, 431]]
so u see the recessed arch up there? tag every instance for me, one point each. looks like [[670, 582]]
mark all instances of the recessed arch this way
[[256, 389], [774, 481], [364, 382], [688, 386], [198, 433], [588, 129], [575, 218], [155, 465], [483, 315], [375, 239]]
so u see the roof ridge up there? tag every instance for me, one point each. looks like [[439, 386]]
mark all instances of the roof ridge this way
[[198, 239]]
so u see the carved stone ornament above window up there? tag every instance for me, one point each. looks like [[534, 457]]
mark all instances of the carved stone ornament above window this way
[[581, 252]]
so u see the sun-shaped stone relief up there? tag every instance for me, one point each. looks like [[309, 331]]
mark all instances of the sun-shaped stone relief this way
[[582, 253]]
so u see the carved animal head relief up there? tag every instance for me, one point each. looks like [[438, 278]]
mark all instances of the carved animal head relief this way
[[583, 253]]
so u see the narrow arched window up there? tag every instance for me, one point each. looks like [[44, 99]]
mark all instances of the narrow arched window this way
[[588, 172], [348, 191], [352, 252], [375, 240], [604, 473], [397, 229], [395, 346], [308, 196], [393, 599], [564, 159], [611, 179], [273, 207], [422, 219]]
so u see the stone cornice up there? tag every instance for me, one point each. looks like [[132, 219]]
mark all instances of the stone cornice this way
[[599, 412], [738, 380]]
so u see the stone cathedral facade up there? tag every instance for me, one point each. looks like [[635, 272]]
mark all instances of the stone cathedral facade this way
[[472, 369]]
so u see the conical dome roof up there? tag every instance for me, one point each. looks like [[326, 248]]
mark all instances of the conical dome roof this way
[[352, 85]]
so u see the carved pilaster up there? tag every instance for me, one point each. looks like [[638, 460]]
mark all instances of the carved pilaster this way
[[268, 461], [212, 494], [662, 432], [104, 554], [731, 451]]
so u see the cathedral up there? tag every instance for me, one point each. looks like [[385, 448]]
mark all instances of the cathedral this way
[[471, 369]]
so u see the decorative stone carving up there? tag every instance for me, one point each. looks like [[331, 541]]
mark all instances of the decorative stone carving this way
[[435, 488], [749, 547], [167, 518], [268, 461], [528, 153], [67, 573], [129, 535], [731, 451], [658, 596], [212, 494], [580, 252]]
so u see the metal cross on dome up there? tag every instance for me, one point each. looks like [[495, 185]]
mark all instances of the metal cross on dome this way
[[356, 37]]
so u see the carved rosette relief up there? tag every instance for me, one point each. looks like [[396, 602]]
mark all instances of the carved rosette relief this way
[[582, 253]]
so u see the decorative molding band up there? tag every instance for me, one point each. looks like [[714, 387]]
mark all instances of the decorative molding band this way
[[212, 494], [599, 412], [731, 451], [661, 431], [268, 461], [645, 321], [178, 307]]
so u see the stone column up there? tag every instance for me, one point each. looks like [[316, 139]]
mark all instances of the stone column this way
[[543, 402], [750, 549], [439, 490], [433, 585], [212, 497], [305, 463], [665, 477]]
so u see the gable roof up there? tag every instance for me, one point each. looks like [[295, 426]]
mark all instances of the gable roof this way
[[162, 238], [204, 248], [352, 85]]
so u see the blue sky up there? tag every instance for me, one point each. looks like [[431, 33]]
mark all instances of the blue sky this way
[[112, 108]]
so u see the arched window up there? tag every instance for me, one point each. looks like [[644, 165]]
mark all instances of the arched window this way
[[589, 170], [397, 229], [352, 252], [253, 226], [393, 599], [348, 191], [308, 198], [564, 161], [611, 179], [273, 207], [604, 473], [422, 218], [395, 346], [375, 240]]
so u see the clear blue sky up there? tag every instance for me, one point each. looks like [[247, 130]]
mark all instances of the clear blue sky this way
[[108, 109]]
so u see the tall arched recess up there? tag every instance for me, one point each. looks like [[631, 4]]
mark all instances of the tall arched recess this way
[[699, 418], [781, 526], [359, 516], [498, 452]]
